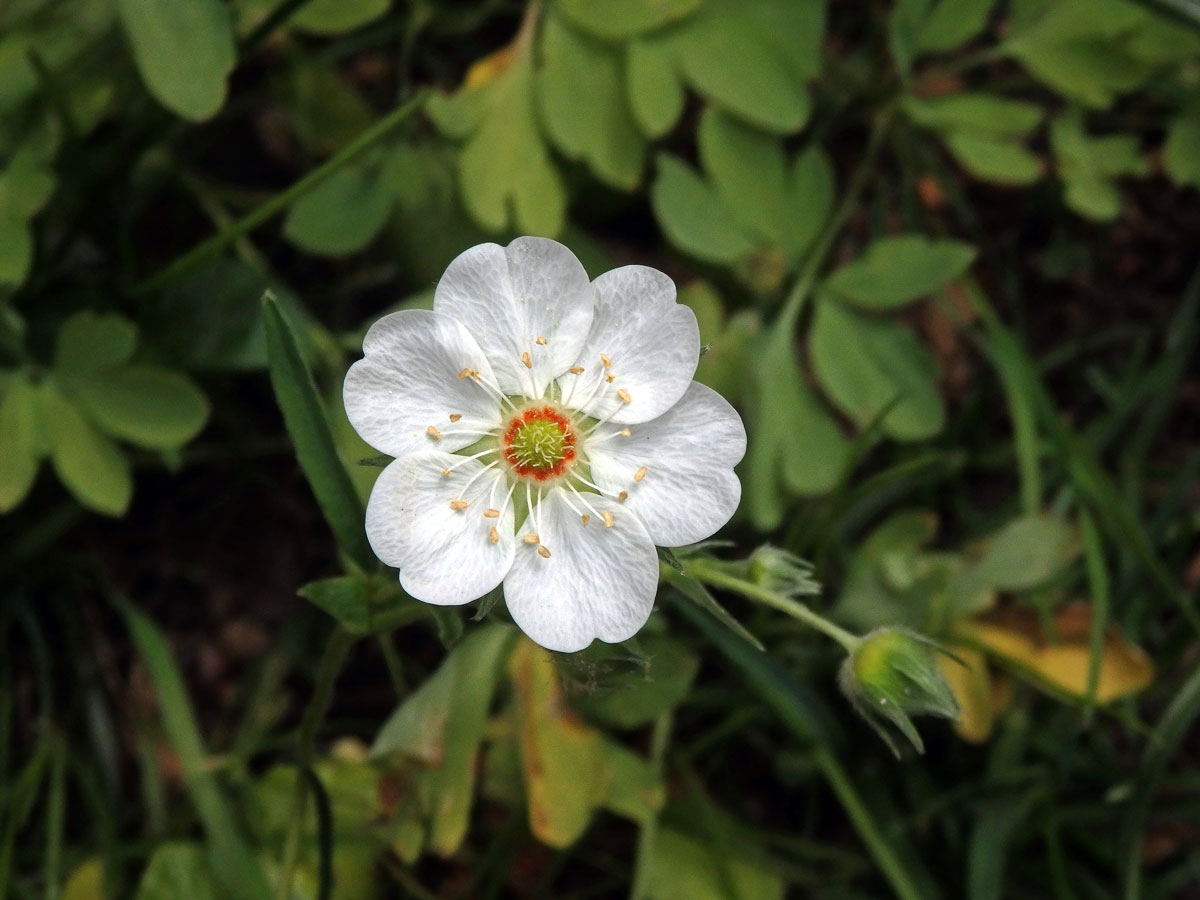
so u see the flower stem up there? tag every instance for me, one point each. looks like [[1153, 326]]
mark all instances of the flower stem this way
[[330, 666], [659, 739], [280, 201], [705, 572]]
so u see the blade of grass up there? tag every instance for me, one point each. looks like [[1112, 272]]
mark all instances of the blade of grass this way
[[309, 429], [56, 807], [1098, 587], [233, 862]]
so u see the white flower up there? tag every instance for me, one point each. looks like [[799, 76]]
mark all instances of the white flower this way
[[547, 434]]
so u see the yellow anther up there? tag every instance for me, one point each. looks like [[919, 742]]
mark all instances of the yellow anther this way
[[454, 417], [433, 433], [625, 432], [532, 539], [467, 373], [608, 519], [576, 370], [527, 359], [624, 395], [543, 552], [446, 473], [458, 504], [609, 377], [493, 535], [491, 513], [541, 341], [604, 359], [639, 474], [586, 518], [623, 496]]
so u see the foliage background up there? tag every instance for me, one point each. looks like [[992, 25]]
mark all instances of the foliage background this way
[[942, 255]]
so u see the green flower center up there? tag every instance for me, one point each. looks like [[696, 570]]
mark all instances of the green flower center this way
[[539, 443]]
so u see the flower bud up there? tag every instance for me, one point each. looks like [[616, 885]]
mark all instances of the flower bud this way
[[782, 572], [891, 675]]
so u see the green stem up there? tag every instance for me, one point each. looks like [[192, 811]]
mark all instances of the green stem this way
[[659, 739], [786, 323], [865, 824], [279, 202], [336, 650], [703, 572]]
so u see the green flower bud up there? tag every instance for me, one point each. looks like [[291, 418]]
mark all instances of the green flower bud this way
[[782, 572], [891, 675]]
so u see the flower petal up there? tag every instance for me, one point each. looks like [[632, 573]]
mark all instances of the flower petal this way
[[649, 344], [445, 555], [409, 380], [689, 489], [509, 297], [597, 582]]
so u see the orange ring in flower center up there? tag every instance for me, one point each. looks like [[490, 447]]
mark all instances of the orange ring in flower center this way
[[539, 443]]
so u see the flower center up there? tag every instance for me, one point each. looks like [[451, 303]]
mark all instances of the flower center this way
[[539, 443]]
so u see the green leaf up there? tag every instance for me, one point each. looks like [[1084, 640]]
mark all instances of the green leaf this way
[[177, 871], [230, 858], [867, 365], [1027, 552], [583, 107], [183, 50], [993, 159], [442, 724], [88, 463], [309, 429], [977, 112], [900, 269], [1088, 166], [333, 17], [20, 448], [683, 868], [620, 19], [631, 698], [505, 171], [89, 342], [656, 94], [1181, 152], [726, 59], [341, 215], [727, 342], [794, 442], [693, 216], [952, 23], [810, 196], [144, 404], [345, 598], [16, 250], [746, 168]]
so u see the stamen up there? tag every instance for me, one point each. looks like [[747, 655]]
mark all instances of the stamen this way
[[491, 513], [543, 552], [595, 487], [467, 459], [475, 477], [576, 370], [525, 358], [433, 433], [608, 519], [532, 538], [624, 395], [604, 359], [640, 474], [586, 518], [541, 341], [493, 535], [609, 377], [458, 504], [625, 432], [446, 473], [583, 500], [623, 496], [454, 417], [467, 373]]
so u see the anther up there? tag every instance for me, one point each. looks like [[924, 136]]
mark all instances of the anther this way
[[491, 513], [458, 504], [623, 496], [576, 370], [454, 417], [624, 395], [433, 433], [543, 552], [604, 359], [625, 432], [532, 539], [639, 474], [608, 519], [586, 518], [609, 377], [539, 340], [445, 473], [493, 535], [525, 358], [467, 373]]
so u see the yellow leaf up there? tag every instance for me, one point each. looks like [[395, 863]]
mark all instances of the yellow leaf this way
[[971, 686], [86, 882], [562, 759], [1059, 662]]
